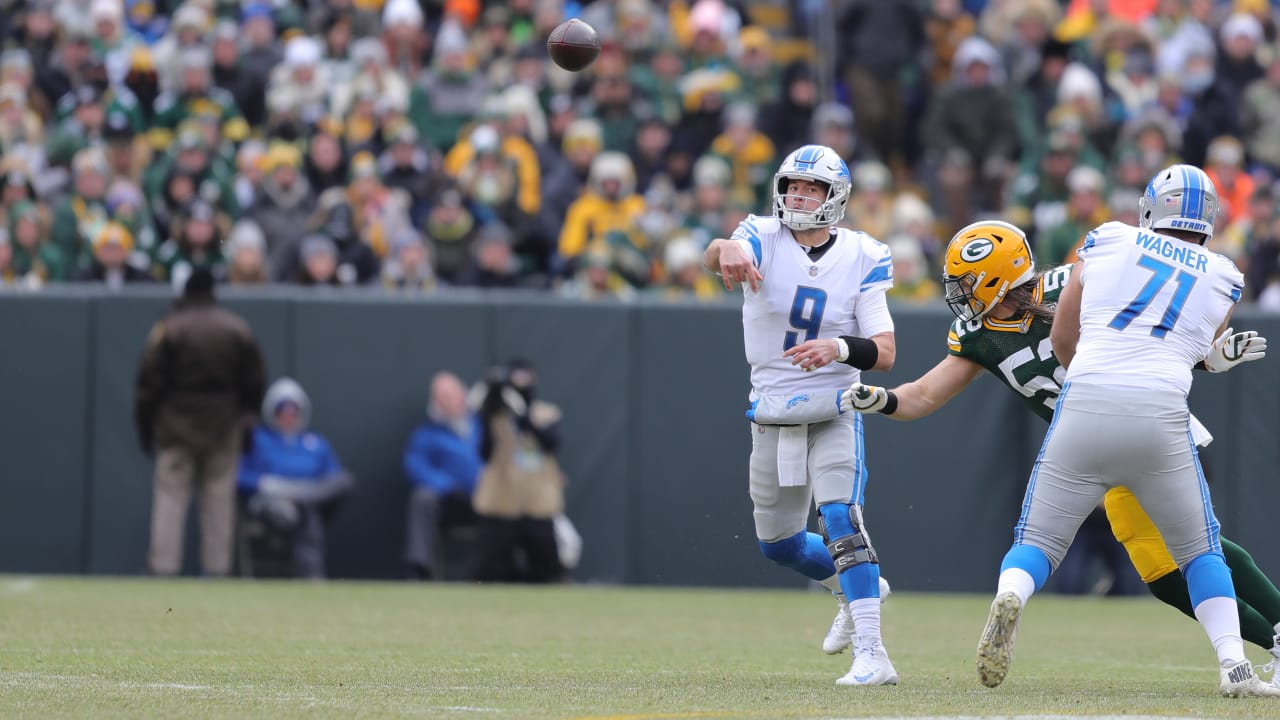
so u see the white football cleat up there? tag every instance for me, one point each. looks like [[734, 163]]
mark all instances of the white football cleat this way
[[1239, 681], [871, 666], [840, 636], [1274, 665], [995, 647]]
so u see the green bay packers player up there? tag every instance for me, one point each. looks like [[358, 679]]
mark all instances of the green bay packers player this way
[[1004, 310]]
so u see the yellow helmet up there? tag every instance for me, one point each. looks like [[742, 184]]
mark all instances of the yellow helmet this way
[[984, 261]]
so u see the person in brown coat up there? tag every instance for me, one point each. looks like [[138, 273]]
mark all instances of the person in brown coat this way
[[198, 390], [521, 487]]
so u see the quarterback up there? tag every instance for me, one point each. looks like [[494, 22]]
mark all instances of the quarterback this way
[[808, 330], [1003, 327]]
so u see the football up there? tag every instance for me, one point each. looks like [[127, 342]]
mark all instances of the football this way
[[573, 45]]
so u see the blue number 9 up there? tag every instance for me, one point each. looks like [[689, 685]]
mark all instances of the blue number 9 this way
[[806, 314]]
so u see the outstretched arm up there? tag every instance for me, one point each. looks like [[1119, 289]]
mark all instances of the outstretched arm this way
[[919, 397]]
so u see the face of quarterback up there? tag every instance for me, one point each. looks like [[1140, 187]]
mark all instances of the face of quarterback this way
[[805, 195]]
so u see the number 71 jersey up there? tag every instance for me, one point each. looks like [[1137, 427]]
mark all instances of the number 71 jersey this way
[[803, 299], [1150, 308]]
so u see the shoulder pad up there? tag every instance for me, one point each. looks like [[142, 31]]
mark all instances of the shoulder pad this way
[[960, 332]]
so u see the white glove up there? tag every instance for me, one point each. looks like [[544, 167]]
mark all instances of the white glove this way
[[864, 398], [1231, 350]]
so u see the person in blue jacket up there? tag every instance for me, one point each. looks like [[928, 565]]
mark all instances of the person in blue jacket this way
[[291, 477], [441, 461]]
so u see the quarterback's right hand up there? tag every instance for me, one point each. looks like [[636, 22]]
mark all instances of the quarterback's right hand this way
[[736, 264], [864, 398]]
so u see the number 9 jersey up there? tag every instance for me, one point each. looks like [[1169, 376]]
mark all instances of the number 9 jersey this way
[[801, 299], [1150, 302]]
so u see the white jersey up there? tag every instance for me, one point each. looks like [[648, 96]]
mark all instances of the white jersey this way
[[801, 299], [1151, 307]]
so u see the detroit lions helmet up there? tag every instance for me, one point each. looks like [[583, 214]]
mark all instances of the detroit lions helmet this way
[[815, 163], [984, 261], [1180, 197]]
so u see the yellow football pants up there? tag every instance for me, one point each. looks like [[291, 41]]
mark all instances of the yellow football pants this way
[[1141, 539]]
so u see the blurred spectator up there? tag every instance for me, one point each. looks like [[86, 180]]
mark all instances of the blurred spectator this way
[[442, 462], [409, 267], [199, 384], [1086, 209], [1213, 105], [597, 277], [833, 126], [912, 280], [195, 94], [1225, 167], [521, 487], [291, 478], [583, 140], [77, 216], [196, 243], [111, 249], [685, 278], [452, 227], [1037, 94], [246, 252], [1039, 194], [970, 133], [880, 45], [871, 204], [649, 151], [448, 94], [283, 204], [1260, 119], [33, 261], [609, 204], [493, 262], [712, 179], [1237, 63], [913, 217], [326, 161], [317, 262], [947, 24], [749, 152], [760, 75], [377, 213], [298, 89], [788, 121]]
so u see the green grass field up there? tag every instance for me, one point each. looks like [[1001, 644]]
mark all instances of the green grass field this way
[[150, 648]]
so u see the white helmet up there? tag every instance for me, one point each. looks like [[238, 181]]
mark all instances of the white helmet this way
[[1180, 197], [815, 163]]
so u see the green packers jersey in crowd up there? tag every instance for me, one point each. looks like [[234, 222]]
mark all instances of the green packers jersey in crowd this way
[[1017, 350]]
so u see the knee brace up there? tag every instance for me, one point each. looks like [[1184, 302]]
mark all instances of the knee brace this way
[[842, 527]]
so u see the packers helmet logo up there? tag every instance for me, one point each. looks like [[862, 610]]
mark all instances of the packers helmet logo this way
[[976, 249]]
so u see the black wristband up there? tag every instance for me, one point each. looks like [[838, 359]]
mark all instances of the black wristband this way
[[891, 404], [863, 353]]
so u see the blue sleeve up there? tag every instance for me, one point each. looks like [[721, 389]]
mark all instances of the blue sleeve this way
[[747, 230], [417, 465]]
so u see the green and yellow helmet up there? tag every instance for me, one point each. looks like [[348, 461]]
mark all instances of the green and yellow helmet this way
[[984, 261]]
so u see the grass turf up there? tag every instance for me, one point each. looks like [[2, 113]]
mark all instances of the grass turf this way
[[151, 648]]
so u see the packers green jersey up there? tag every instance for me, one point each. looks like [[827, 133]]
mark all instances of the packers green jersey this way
[[1018, 350]]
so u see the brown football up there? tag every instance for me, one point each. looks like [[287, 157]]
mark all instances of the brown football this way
[[573, 45]]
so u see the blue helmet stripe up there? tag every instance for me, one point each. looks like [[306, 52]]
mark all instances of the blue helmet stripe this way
[[1185, 209]]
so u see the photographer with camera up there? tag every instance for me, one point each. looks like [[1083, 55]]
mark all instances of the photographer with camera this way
[[521, 488]]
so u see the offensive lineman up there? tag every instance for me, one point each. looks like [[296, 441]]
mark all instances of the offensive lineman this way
[[814, 314], [1142, 306], [1003, 327]]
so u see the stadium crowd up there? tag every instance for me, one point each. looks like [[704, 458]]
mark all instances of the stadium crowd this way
[[425, 144]]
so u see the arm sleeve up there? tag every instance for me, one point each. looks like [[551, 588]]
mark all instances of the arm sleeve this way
[[749, 232], [872, 313], [877, 271]]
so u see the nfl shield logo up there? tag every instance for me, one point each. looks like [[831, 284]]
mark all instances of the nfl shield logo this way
[[813, 271]]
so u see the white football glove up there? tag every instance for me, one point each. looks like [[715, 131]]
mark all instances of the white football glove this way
[[1230, 350], [864, 398]]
